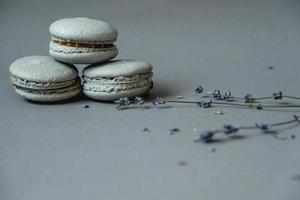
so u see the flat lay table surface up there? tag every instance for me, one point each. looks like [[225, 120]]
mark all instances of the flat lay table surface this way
[[67, 151]]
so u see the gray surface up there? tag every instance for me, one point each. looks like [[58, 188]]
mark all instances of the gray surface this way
[[64, 151]]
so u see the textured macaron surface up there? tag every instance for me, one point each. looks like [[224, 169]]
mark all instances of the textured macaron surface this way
[[49, 95], [117, 68], [83, 30], [43, 69], [115, 79]]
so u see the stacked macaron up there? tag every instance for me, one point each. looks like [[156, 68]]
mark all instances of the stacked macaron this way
[[80, 41], [41, 78]]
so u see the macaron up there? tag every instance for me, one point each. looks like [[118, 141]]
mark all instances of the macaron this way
[[115, 79], [82, 40], [44, 79]]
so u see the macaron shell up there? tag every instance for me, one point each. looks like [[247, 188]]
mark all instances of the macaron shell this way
[[117, 68], [83, 58], [107, 96], [42, 69], [39, 97], [41, 85], [83, 29]]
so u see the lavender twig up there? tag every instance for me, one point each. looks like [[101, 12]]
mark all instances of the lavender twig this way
[[228, 129]]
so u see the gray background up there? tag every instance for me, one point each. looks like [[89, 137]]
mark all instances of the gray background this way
[[63, 151]]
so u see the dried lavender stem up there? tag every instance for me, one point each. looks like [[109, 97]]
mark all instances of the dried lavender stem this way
[[249, 105], [174, 101], [228, 129], [269, 97], [283, 123], [255, 105], [254, 127], [261, 98], [271, 125], [291, 97]]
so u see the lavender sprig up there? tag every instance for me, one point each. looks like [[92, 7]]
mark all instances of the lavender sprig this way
[[227, 96], [138, 100], [158, 101], [199, 89], [207, 136], [205, 104], [248, 98], [248, 101], [277, 96], [210, 103], [217, 94], [124, 102]]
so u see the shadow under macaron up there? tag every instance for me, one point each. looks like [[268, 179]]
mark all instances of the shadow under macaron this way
[[78, 98], [161, 89]]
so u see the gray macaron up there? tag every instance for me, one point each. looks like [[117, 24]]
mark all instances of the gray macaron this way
[[43, 79], [82, 40], [115, 79]]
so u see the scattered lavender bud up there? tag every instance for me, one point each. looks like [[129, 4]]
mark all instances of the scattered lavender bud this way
[[199, 89], [182, 163], [206, 136], [263, 126], [259, 107], [146, 129], [217, 94], [213, 150], [158, 101], [227, 96], [204, 104], [173, 131], [219, 112], [139, 100], [277, 95], [122, 102], [276, 136], [248, 98], [179, 97], [230, 129], [293, 136]]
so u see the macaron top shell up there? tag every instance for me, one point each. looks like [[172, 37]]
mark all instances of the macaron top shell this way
[[42, 69], [83, 30], [117, 68]]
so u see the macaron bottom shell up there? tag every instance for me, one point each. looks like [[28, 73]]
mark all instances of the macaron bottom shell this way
[[78, 55], [110, 96], [53, 95]]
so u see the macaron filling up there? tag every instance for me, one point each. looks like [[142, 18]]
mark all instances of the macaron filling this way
[[117, 84], [75, 87], [41, 85], [89, 44]]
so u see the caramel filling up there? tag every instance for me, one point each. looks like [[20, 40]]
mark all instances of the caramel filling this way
[[79, 44]]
